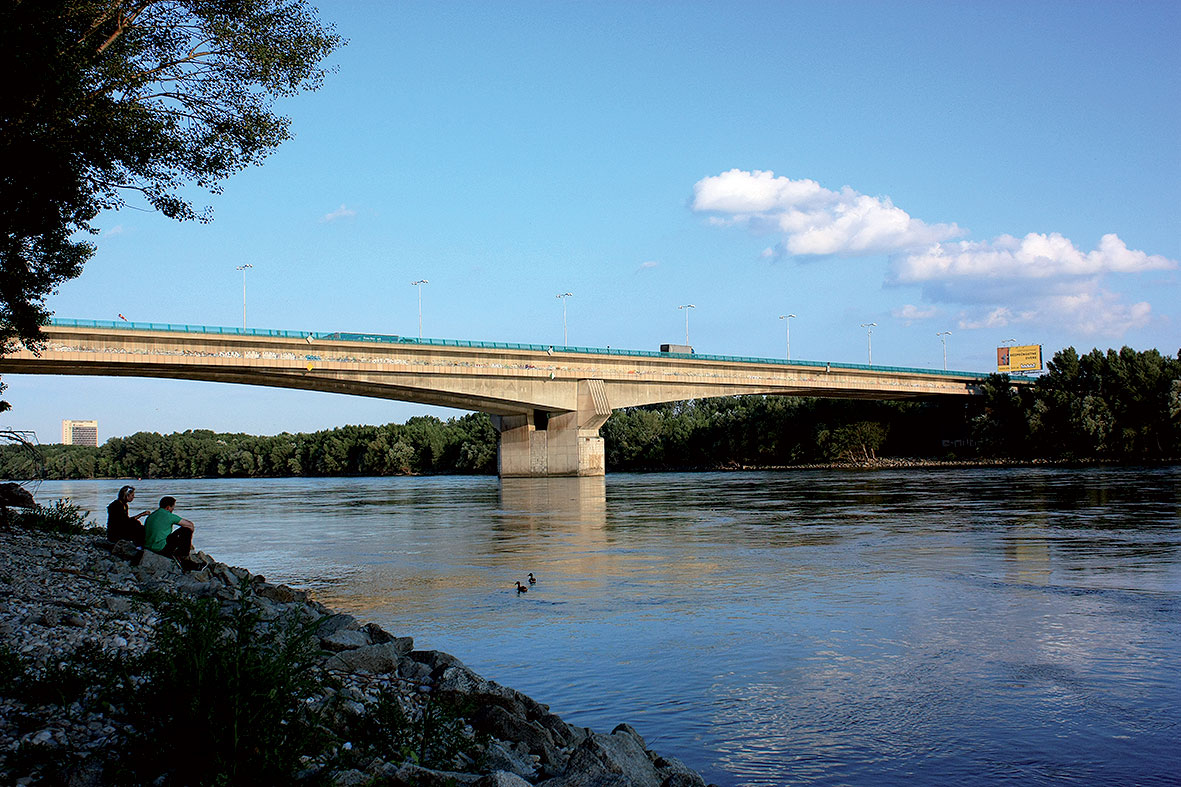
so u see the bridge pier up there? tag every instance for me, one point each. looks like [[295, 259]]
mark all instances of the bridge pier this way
[[543, 444]]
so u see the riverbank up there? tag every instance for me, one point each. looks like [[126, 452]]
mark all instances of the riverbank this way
[[877, 463], [80, 624], [901, 463]]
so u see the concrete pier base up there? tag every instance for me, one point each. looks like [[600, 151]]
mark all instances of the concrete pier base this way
[[542, 444]]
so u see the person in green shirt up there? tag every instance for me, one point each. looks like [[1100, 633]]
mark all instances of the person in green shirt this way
[[159, 535]]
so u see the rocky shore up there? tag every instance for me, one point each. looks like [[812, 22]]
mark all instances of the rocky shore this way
[[61, 595]]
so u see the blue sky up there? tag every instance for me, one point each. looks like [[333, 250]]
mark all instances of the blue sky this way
[[997, 170]]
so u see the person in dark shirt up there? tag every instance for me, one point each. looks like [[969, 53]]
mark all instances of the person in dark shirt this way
[[121, 526]]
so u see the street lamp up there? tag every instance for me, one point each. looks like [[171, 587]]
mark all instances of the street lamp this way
[[869, 326], [943, 338], [419, 284], [787, 323], [687, 307], [243, 269], [562, 297]]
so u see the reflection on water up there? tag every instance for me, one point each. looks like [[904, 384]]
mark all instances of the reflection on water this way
[[930, 627]]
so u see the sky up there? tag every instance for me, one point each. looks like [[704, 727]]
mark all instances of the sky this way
[[1003, 171]]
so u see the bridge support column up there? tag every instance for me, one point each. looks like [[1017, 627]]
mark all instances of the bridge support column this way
[[542, 444]]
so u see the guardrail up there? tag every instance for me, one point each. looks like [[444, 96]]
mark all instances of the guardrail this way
[[378, 338]]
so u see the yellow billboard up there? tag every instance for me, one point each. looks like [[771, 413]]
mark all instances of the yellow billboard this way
[[1024, 358]]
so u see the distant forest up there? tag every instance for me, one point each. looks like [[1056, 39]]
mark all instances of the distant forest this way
[[1117, 405]]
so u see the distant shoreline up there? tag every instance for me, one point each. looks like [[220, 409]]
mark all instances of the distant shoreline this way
[[891, 463], [880, 463]]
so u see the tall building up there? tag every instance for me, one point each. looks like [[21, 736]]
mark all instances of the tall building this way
[[80, 432]]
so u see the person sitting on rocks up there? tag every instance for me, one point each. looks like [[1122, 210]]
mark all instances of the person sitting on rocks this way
[[160, 537], [121, 526]]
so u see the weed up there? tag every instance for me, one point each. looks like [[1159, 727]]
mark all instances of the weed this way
[[434, 735], [224, 697], [89, 675], [61, 516], [48, 764], [12, 666]]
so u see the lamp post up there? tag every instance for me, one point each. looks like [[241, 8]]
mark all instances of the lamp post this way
[[562, 297], [687, 307], [419, 284], [787, 323], [943, 338], [869, 326], [243, 269]]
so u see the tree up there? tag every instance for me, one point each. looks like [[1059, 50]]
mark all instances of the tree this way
[[1001, 428], [111, 100], [856, 442]]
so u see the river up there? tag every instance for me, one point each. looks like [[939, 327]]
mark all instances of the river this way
[[816, 627]]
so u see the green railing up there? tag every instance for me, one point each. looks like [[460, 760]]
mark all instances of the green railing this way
[[393, 339]]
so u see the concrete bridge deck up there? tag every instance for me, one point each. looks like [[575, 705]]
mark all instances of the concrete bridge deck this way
[[548, 402]]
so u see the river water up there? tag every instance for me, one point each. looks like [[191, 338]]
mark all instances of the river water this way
[[970, 627]]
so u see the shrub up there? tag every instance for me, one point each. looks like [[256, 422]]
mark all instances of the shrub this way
[[433, 735], [61, 516], [224, 698]]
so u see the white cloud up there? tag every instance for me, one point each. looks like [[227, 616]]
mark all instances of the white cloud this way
[[1097, 313], [116, 230], [1035, 256], [813, 219], [909, 313], [1101, 313], [1000, 317], [342, 212], [1039, 280], [1042, 279], [649, 264]]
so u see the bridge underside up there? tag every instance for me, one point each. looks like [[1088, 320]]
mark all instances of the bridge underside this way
[[548, 407]]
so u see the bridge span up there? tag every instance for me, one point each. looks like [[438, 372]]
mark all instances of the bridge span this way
[[547, 402]]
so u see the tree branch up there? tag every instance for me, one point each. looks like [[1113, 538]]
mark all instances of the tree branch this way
[[125, 21]]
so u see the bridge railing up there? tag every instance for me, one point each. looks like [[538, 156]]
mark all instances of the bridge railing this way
[[378, 338]]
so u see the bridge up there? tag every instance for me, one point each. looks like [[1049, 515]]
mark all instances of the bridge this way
[[547, 402]]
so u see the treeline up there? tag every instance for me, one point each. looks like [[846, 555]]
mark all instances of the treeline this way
[[1123, 406], [421, 445], [780, 430], [1116, 405]]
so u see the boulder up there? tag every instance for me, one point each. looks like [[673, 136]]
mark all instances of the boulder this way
[[677, 773], [125, 549], [187, 583], [377, 635], [609, 761], [412, 775], [460, 680], [563, 734], [338, 622], [279, 593], [155, 567], [500, 779], [499, 757], [413, 670], [351, 778], [499, 723], [435, 660], [344, 640], [16, 496], [377, 659]]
